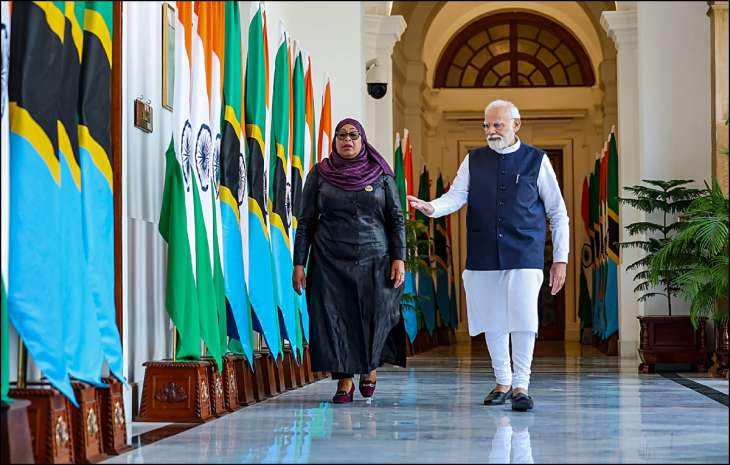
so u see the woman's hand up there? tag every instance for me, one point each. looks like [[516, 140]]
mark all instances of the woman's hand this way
[[298, 279], [398, 272]]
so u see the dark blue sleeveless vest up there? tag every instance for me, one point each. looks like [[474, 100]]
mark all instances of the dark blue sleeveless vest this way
[[505, 219]]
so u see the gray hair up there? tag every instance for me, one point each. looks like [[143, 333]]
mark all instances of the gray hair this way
[[514, 112]]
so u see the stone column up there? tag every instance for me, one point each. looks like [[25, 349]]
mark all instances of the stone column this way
[[621, 27], [381, 33], [718, 13]]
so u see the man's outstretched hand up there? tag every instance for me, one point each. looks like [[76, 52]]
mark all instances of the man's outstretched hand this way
[[420, 205]]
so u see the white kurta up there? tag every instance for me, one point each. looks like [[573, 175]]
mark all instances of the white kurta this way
[[504, 301]]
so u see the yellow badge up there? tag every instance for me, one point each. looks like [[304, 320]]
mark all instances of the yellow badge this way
[[368, 188]]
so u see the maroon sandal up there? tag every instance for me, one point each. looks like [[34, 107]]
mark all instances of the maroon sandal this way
[[367, 387], [342, 397]]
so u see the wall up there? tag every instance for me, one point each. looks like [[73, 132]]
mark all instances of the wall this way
[[336, 47], [674, 99]]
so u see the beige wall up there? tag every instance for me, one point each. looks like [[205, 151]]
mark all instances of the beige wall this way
[[719, 58]]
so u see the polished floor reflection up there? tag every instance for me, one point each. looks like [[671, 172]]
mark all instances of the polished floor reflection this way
[[589, 409]]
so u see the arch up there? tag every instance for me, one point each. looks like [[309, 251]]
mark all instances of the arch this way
[[516, 47], [449, 18]]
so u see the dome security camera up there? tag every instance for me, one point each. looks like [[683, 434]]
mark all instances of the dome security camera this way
[[376, 79]]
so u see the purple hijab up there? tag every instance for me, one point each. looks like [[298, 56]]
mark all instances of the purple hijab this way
[[356, 173]]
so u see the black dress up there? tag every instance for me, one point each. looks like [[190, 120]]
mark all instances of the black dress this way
[[355, 323]]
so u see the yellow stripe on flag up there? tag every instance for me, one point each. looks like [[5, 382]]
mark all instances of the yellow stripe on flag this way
[[230, 116], [255, 208], [228, 199], [64, 145], [253, 131], [277, 222], [23, 124], [76, 32], [297, 163], [94, 23], [54, 17], [98, 154]]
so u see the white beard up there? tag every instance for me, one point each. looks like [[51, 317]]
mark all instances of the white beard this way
[[497, 144]]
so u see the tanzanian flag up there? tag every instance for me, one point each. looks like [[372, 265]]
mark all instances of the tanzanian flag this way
[[427, 298], [95, 112], [84, 353], [299, 133], [36, 259], [233, 191], [408, 304], [440, 260], [4, 205], [260, 277], [279, 192], [613, 238]]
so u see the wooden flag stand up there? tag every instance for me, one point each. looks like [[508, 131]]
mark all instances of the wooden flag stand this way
[[288, 365], [217, 394], [230, 384], [245, 380], [113, 420], [266, 369], [50, 423], [45, 436], [178, 392], [17, 444], [86, 424]]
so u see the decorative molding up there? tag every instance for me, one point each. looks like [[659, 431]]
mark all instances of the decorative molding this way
[[382, 33], [525, 115], [621, 27]]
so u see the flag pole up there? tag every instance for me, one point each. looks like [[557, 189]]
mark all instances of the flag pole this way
[[174, 343], [22, 364]]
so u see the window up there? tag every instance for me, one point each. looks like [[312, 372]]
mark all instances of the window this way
[[514, 50]]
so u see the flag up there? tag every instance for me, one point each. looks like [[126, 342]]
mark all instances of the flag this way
[[452, 287], [400, 174], [408, 305], [440, 259], [298, 171], [584, 300], [324, 143], [408, 168], [4, 207], [177, 215], [84, 354], [613, 237], [216, 21], [425, 279], [260, 277], [35, 304], [95, 112], [233, 193], [310, 143], [201, 90], [279, 191]]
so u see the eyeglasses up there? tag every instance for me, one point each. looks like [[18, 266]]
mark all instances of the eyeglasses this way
[[351, 135], [497, 126]]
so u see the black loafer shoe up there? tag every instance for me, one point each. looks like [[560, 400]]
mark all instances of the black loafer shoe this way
[[521, 402], [497, 398]]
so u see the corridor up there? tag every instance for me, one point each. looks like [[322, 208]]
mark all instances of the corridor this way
[[590, 408]]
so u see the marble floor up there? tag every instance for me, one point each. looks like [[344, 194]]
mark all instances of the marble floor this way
[[589, 409]]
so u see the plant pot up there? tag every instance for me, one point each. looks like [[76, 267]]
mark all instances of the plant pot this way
[[721, 349], [671, 339]]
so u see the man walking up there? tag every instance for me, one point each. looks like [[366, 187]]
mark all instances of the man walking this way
[[511, 188]]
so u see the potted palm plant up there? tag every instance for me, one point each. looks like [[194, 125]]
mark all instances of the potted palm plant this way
[[700, 252], [664, 338], [417, 246]]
